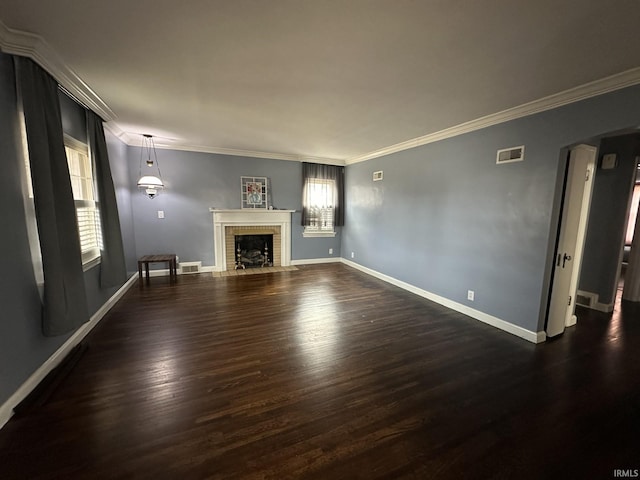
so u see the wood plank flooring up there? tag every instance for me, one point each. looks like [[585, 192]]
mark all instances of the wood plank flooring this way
[[327, 373]]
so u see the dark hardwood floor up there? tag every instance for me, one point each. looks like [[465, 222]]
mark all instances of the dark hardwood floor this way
[[328, 373]]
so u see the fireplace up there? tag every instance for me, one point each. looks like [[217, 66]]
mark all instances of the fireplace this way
[[230, 224], [254, 251]]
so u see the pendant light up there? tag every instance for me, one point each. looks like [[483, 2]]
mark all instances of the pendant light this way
[[150, 184]]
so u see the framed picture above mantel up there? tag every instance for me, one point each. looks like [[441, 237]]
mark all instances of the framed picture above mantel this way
[[253, 192]]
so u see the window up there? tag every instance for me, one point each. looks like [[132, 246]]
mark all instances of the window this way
[[87, 211], [320, 196], [30, 208], [322, 199]]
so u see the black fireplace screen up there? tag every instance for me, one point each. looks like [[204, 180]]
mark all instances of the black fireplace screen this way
[[254, 251]]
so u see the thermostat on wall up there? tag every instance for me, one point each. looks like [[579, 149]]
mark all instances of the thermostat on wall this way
[[609, 161], [377, 176]]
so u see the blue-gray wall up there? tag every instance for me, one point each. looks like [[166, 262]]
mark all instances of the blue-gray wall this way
[[447, 219], [119, 162], [608, 217], [23, 348], [196, 182]]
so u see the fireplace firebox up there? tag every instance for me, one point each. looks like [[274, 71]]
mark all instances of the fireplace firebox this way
[[253, 251]]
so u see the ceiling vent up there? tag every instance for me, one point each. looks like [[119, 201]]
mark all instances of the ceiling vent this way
[[508, 155]]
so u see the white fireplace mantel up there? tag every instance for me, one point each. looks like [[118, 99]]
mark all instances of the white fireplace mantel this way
[[249, 218]]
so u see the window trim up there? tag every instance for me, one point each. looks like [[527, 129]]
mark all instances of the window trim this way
[[310, 231], [317, 233], [93, 256]]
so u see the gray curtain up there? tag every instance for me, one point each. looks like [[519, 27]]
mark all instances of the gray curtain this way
[[324, 172], [113, 271], [64, 301]]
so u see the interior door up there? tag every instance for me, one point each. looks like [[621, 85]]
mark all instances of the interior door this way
[[573, 228]]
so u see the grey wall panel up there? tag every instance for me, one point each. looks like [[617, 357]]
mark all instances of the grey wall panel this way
[[447, 219], [197, 181], [119, 162]]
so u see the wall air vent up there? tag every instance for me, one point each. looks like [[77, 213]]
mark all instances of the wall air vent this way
[[190, 267], [583, 300], [377, 176], [586, 299], [508, 155]]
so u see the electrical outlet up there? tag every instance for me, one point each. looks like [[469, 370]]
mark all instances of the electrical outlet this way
[[160, 213], [331, 251], [471, 295], [353, 255]]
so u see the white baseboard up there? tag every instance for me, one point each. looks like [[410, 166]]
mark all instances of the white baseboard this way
[[595, 303], [6, 410], [534, 337], [313, 261], [602, 307]]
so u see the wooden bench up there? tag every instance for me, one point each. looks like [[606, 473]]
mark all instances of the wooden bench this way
[[171, 259]]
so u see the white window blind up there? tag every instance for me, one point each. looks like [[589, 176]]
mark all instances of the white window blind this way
[[87, 212], [320, 194]]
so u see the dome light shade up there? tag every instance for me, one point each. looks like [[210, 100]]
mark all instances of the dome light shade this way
[[149, 181], [150, 185]]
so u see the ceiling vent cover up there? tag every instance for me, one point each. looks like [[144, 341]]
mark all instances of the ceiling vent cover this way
[[508, 155]]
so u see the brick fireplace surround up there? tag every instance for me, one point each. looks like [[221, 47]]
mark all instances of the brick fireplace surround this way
[[229, 223]]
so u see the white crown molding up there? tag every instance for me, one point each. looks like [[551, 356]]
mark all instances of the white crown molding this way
[[117, 131], [249, 153], [582, 92], [37, 49], [127, 138], [136, 141]]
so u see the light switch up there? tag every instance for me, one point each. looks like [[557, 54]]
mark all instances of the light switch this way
[[160, 213]]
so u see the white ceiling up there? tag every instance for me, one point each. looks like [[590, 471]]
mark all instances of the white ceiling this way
[[335, 79]]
